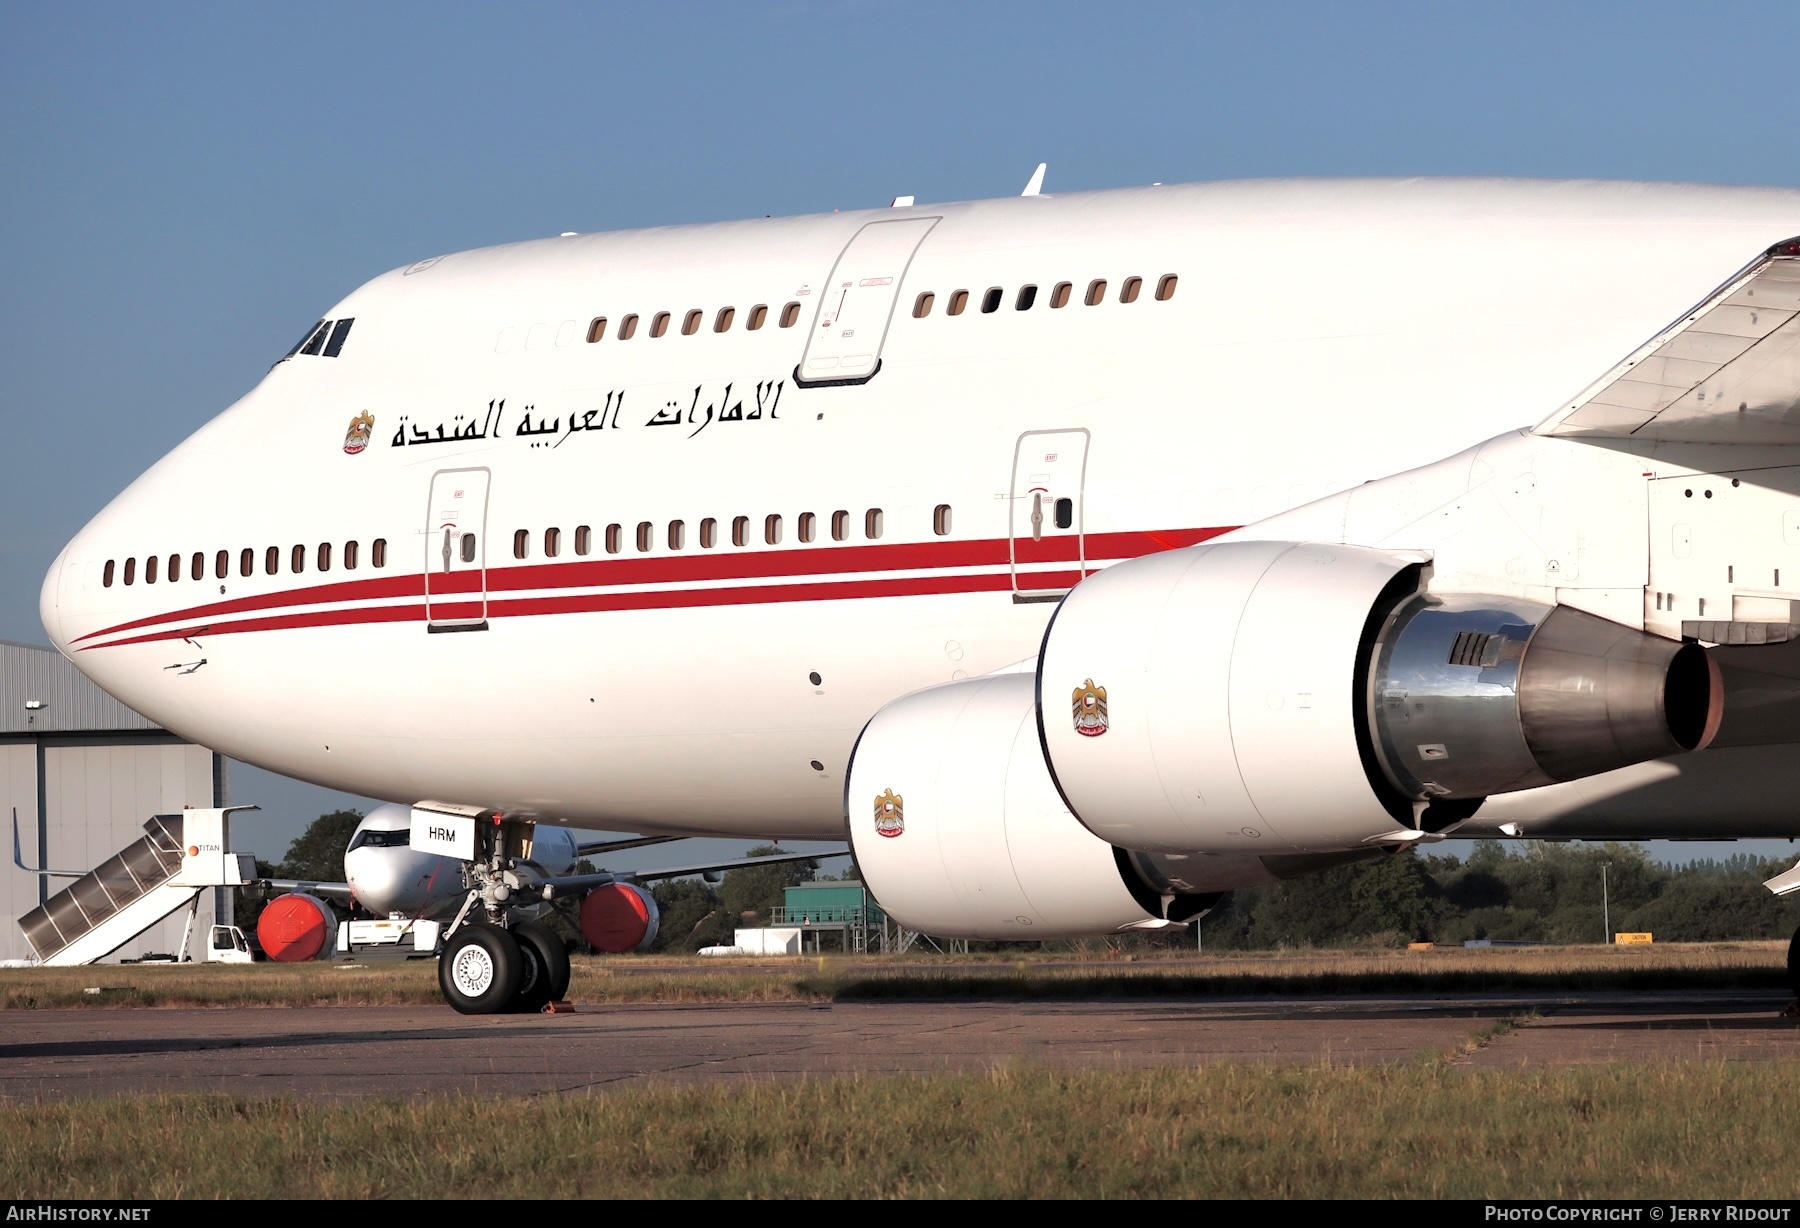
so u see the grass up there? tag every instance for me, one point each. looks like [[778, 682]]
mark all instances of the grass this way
[[1686, 1130], [603, 980]]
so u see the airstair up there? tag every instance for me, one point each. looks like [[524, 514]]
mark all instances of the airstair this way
[[179, 857]]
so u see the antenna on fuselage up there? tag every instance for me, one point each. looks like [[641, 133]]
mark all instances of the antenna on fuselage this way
[[1037, 181]]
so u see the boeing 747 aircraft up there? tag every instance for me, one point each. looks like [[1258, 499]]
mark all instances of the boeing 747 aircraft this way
[[1081, 556]]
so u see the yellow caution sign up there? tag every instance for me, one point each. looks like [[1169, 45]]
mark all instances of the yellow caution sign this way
[[1633, 940]]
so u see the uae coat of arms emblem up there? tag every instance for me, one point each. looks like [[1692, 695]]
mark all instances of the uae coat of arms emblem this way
[[357, 437], [1089, 703], [890, 814]]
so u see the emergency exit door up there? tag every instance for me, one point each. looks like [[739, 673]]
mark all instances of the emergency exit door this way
[[856, 303], [1048, 543], [456, 551]]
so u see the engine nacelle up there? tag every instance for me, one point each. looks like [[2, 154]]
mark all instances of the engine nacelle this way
[[296, 927], [619, 918], [1280, 699], [1209, 698], [959, 832]]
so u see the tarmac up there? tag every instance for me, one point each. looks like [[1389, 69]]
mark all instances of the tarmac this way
[[348, 1053]]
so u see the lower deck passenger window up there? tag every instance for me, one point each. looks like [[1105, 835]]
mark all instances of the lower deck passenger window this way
[[378, 552], [349, 556], [872, 523], [272, 560], [840, 526]]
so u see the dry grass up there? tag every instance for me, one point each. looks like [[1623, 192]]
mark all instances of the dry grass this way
[[600, 980], [1675, 1131]]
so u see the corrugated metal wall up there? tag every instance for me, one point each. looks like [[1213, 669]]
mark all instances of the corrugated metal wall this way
[[72, 704], [106, 770]]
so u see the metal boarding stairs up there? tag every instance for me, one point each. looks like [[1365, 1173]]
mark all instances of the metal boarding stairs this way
[[180, 856]]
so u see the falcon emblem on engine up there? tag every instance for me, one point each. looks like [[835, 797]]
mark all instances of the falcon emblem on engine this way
[[1090, 709], [890, 813], [357, 437]]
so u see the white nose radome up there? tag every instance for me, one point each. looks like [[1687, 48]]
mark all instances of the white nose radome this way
[[50, 603]]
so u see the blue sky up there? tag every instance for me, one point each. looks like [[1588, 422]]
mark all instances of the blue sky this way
[[184, 187]]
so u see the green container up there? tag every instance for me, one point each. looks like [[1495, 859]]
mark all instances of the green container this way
[[829, 903]]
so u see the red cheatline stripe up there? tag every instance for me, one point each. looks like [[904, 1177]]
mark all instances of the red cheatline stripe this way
[[579, 603], [677, 569]]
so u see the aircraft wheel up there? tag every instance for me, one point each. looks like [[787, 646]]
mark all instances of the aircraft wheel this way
[[479, 970], [1794, 964], [546, 976]]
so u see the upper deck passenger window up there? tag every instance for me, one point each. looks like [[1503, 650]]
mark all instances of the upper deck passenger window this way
[[790, 314], [1096, 292], [1165, 289], [759, 315], [628, 328], [922, 305], [1128, 293], [1027, 296], [660, 324], [723, 320], [691, 324], [990, 302], [597, 329], [959, 303], [1059, 297]]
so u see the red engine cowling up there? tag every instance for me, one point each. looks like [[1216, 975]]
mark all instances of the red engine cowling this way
[[297, 927], [619, 918]]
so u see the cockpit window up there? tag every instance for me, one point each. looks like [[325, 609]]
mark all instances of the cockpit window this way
[[381, 840], [326, 338]]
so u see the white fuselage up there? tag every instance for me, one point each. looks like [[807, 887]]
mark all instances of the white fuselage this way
[[1320, 335]]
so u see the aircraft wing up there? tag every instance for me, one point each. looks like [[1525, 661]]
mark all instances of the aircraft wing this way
[[1726, 372], [573, 883], [619, 846], [325, 891]]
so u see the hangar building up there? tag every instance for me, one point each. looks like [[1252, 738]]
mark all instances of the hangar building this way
[[84, 773]]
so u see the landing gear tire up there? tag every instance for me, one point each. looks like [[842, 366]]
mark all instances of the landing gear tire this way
[[480, 969], [545, 975]]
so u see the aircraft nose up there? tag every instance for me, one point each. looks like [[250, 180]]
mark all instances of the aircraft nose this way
[[50, 603], [372, 881]]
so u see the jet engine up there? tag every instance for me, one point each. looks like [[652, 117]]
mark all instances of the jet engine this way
[[1272, 697], [958, 830], [296, 927], [619, 917]]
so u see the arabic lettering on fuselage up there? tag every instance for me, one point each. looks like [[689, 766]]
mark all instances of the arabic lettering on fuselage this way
[[551, 430], [723, 409]]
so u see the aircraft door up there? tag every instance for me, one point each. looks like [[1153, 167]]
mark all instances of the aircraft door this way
[[1048, 543], [856, 303], [456, 551]]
